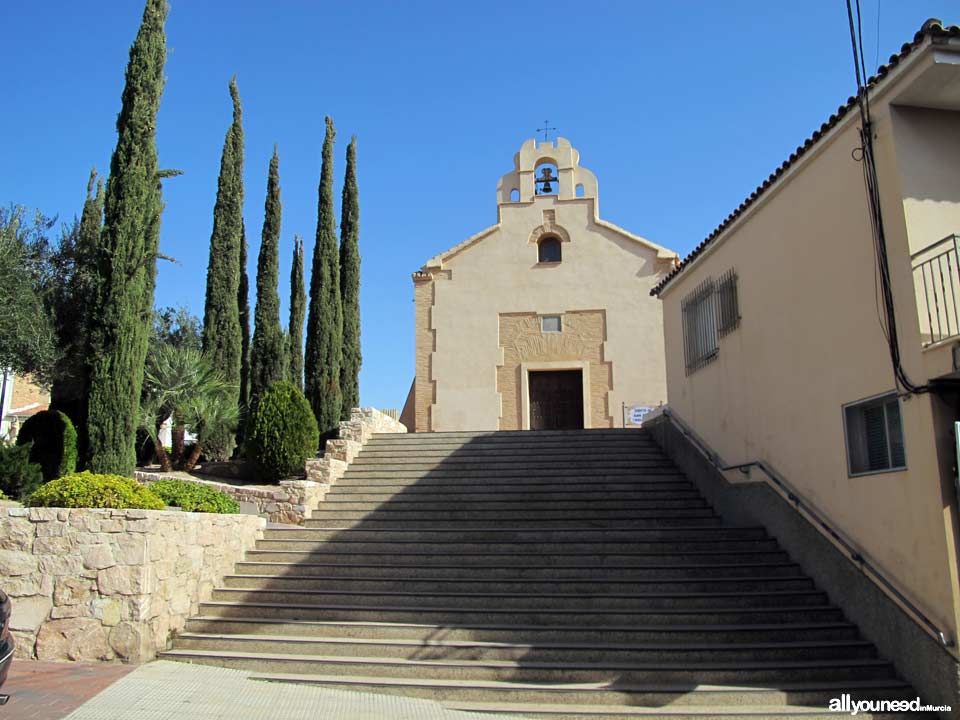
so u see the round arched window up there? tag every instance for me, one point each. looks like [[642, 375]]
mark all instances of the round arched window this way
[[549, 250]]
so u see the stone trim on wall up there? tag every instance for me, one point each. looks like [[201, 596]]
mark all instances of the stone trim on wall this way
[[112, 584], [425, 393], [579, 346]]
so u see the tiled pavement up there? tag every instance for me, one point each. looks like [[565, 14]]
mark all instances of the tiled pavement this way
[[51, 691], [179, 691]]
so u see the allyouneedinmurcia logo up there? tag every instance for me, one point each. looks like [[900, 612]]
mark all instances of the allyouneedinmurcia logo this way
[[845, 703]]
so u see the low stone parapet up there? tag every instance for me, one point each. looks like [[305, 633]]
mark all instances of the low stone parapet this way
[[112, 584], [290, 501]]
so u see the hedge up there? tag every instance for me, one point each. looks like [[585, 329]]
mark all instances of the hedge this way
[[192, 497], [281, 432], [88, 490], [54, 443], [18, 476]]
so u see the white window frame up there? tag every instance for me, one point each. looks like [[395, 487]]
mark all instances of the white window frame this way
[[881, 399]]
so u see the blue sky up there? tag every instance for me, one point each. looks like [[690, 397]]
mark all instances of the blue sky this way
[[681, 109]]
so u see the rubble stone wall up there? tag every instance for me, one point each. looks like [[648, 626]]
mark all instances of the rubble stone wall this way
[[112, 584]]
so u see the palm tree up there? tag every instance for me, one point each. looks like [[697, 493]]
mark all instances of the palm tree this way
[[181, 385], [206, 415]]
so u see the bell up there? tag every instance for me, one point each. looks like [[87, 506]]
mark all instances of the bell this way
[[546, 177]]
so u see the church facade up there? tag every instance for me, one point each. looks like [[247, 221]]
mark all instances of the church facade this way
[[544, 320]]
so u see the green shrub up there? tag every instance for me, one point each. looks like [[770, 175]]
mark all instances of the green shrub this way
[[2, 496], [54, 443], [281, 432], [18, 476], [87, 490], [191, 497]]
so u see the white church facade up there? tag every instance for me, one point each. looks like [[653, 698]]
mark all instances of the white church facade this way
[[543, 320]]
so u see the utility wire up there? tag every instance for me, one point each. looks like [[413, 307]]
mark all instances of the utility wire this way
[[868, 163]]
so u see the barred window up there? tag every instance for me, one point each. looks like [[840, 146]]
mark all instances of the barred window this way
[[874, 435], [728, 307], [700, 326]]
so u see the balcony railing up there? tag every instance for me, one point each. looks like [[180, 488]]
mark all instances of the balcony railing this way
[[936, 280]]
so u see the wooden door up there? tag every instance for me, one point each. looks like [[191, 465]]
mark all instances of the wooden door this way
[[556, 400]]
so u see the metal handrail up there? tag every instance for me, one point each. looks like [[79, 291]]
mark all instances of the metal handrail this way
[[821, 524], [937, 282]]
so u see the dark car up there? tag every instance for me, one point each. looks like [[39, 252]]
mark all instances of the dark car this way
[[6, 639]]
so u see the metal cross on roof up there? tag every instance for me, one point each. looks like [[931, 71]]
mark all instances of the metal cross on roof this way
[[545, 129]]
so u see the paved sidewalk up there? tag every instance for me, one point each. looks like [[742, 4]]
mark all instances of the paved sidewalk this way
[[164, 690], [51, 690]]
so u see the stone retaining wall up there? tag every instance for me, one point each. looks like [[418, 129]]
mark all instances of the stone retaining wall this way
[[112, 584]]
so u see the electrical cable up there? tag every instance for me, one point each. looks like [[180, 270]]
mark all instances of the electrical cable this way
[[871, 183]]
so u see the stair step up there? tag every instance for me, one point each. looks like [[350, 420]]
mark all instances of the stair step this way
[[573, 516], [507, 435], [600, 539], [500, 456], [592, 602], [481, 560], [359, 521], [665, 487], [291, 540], [555, 455], [538, 671], [575, 695], [569, 652], [560, 587], [412, 444], [529, 506], [565, 616], [591, 465], [558, 478], [470, 496], [536, 634], [585, 534], [499, 573], [553, 471]]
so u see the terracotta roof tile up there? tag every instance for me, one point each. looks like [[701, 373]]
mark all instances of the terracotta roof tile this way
[[932, 28]]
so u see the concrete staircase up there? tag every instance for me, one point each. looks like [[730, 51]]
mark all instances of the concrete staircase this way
[[557, 575]]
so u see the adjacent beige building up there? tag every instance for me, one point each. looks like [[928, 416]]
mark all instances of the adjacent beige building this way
[[21, 398], [777, 340], [543, 320]]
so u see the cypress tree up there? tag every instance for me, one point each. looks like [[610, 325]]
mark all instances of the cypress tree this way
[[243, 307], [325, 315], [222, 336], [298, 307], [269, 343], [74, 305], [350, 285], [127, 254]]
